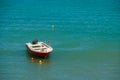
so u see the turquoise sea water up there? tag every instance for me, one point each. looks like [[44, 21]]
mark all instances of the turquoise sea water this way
[[86, 39]]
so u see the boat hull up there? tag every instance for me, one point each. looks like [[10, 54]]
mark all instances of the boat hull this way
[[38, 54]]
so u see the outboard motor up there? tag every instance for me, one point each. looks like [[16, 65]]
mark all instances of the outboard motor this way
[[35, 41]]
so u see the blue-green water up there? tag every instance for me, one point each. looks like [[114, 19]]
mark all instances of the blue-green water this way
[[86, 39]]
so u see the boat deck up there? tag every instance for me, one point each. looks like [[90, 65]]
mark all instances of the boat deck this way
[[40, 47]]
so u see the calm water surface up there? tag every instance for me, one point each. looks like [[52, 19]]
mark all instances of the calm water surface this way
[[86, 39]]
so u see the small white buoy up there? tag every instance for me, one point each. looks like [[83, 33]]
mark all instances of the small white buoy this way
[[53, 27]]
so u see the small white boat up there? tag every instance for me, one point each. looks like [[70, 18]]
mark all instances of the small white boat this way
[[40, 49]]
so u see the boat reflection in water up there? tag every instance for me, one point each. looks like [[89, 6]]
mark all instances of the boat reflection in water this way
[[40, 60]]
